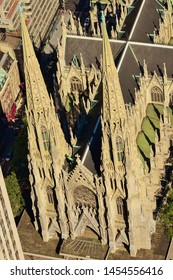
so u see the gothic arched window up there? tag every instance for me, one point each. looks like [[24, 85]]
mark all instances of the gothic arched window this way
[[119, 148], [76, 84], [119, 202], [52, 134], [111, 149], [127, 145], [157, 95], [49, 192], [45, 137]]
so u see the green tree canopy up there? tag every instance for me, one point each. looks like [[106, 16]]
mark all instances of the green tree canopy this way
[[20, 150], [14, 192], [166, 215]]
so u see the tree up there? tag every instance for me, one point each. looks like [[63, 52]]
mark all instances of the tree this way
[[20, 151], [14, 193], [166, 215]]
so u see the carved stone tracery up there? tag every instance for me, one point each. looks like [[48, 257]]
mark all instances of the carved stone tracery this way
[[156, 94], [84, 196]]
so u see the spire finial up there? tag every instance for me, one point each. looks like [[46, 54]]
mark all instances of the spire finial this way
[[102, 16], [20, 8]]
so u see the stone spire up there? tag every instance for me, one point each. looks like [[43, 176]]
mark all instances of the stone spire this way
[[39, 103], [37, 95], [46, 143], [112, 121], [113, 102], [113, 114]]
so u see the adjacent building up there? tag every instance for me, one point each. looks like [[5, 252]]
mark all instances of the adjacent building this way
[[9, 81], [39, 16], [10, 247]]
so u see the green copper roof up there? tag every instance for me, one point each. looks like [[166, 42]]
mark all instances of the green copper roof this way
[[153, 113], [20, 8], [143, 145], [170, 111], [148, 129], [150, 124], [3, 77], [158, 108]]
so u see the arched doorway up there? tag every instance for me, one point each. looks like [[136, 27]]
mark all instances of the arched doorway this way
[[86, 209], [90, 234]]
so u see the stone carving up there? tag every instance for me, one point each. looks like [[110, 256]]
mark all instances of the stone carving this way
[[83, 195]]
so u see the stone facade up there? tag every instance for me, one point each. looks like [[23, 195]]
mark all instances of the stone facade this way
[[10, 247], [10, 81], [39, 16], [164, 34], [76, 83], [117, 203]]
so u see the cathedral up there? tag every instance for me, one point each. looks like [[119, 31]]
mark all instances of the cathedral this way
[[97, 158]]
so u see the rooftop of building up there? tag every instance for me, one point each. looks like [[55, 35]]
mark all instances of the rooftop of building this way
[[130, 51], [90, 48], [5, 61], [140, 24], [129, 59], [32, 242], [135, 27]]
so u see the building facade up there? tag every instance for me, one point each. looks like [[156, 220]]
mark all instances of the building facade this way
[[115, 12], [39, 16], [10, 247], [164, 34], [114, 198], [9, 81]]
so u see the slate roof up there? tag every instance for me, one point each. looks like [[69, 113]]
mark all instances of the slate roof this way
[[130, 19], [91, 49], [133, 58], [93, 158], [154, 55], [141, 20], [148, 20], [71, 5]]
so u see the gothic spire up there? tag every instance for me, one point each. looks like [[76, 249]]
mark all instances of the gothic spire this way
[[37, 95], [46, 143], [40, 108], [113, 117], [113, 102]]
